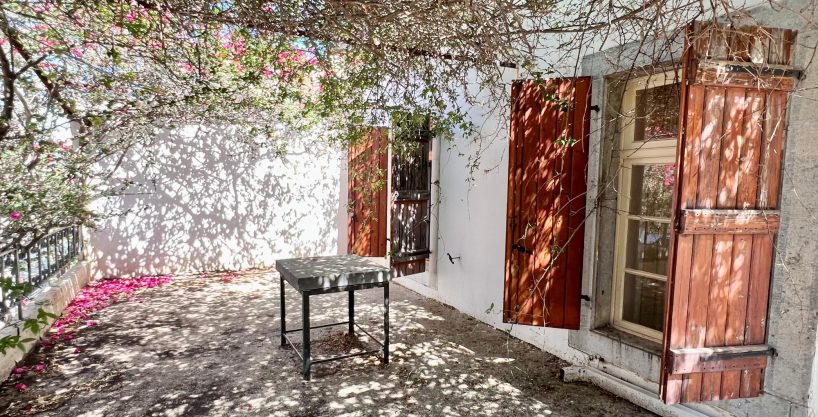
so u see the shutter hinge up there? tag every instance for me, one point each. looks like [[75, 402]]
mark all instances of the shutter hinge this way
[[595, 108], [585, 297]]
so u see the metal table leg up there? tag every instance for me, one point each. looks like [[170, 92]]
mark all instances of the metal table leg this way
[[386, 324], [305, 331], [351, 312], [283, 312]]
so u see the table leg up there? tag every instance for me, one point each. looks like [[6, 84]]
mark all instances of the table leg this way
[[283, 317], [305, 331], [351, 312], [386, 324]]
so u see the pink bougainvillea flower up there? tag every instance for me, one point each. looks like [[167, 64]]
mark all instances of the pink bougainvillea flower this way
[[77, 53], [130, 17], [96, 297], [77, 350], [21, 387], [187, 67], [40, 367], [20, 370], [15, 216]]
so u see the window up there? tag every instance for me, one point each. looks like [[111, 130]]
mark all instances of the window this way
[[650, 109]]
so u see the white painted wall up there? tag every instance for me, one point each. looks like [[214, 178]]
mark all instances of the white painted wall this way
[[471, 222], [208, 204]]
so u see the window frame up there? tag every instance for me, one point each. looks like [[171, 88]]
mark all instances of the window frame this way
[[662, 151]]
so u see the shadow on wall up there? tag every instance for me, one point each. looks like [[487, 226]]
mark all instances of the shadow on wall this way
[[204, 201]]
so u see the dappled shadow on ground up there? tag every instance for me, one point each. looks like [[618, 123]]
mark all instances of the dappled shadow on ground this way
[[210, 346]]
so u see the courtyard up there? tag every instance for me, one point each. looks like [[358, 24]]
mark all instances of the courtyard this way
[[209, 345]]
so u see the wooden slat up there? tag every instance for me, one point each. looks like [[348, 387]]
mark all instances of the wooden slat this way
[[721, 75], [676, 304], [542, 218], [553, 195], [513, 204], [707, 191], [527, 293], [709, 222], [580, 129], [713, 361], [742, 145], [758, 45]]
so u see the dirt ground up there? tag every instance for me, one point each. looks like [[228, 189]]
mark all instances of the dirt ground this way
[[210, 347]]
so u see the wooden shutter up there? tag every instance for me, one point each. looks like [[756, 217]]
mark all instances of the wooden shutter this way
[[411, 197], [734, 100], [367, 195], [548, 157]]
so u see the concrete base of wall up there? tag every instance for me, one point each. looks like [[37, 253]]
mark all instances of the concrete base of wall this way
[[638, 395], [52, 298]]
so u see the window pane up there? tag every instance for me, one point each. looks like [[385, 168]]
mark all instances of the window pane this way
[[657, 113], [644, 301], [652, 189], [647, 246]]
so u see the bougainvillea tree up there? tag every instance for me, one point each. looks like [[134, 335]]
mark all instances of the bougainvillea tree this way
[[87, 80], [84, 81]]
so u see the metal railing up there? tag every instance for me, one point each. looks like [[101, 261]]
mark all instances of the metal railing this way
[[34, 265]]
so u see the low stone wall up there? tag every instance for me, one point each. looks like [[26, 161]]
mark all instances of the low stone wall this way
[[54, 299]]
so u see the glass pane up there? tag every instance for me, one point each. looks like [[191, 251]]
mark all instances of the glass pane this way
[[647, 246], [657, 113], [652, 189], [644, 301]]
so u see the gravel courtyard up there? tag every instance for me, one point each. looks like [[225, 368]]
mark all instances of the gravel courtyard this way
[[208, 346]]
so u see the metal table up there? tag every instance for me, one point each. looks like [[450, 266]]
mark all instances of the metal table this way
[[329, 274]]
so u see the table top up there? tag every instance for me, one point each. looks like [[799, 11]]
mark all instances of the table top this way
[[331, 272]]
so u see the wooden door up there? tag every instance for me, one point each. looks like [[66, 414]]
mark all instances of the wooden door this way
[[411, 197], [734, 100], [548, 158], [366, 228]]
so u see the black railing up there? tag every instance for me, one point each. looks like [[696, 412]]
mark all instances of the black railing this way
[[31, 266]]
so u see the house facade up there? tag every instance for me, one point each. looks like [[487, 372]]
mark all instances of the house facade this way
[[650, 221]]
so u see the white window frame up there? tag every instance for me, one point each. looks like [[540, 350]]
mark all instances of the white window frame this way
[[636, 153]]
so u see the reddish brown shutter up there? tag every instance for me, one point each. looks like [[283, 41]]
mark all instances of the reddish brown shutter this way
[[734, 101], [367, 195], [550, 121], [411, 198]]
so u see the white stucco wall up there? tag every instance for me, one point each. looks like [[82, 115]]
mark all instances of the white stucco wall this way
[[207, 204]]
